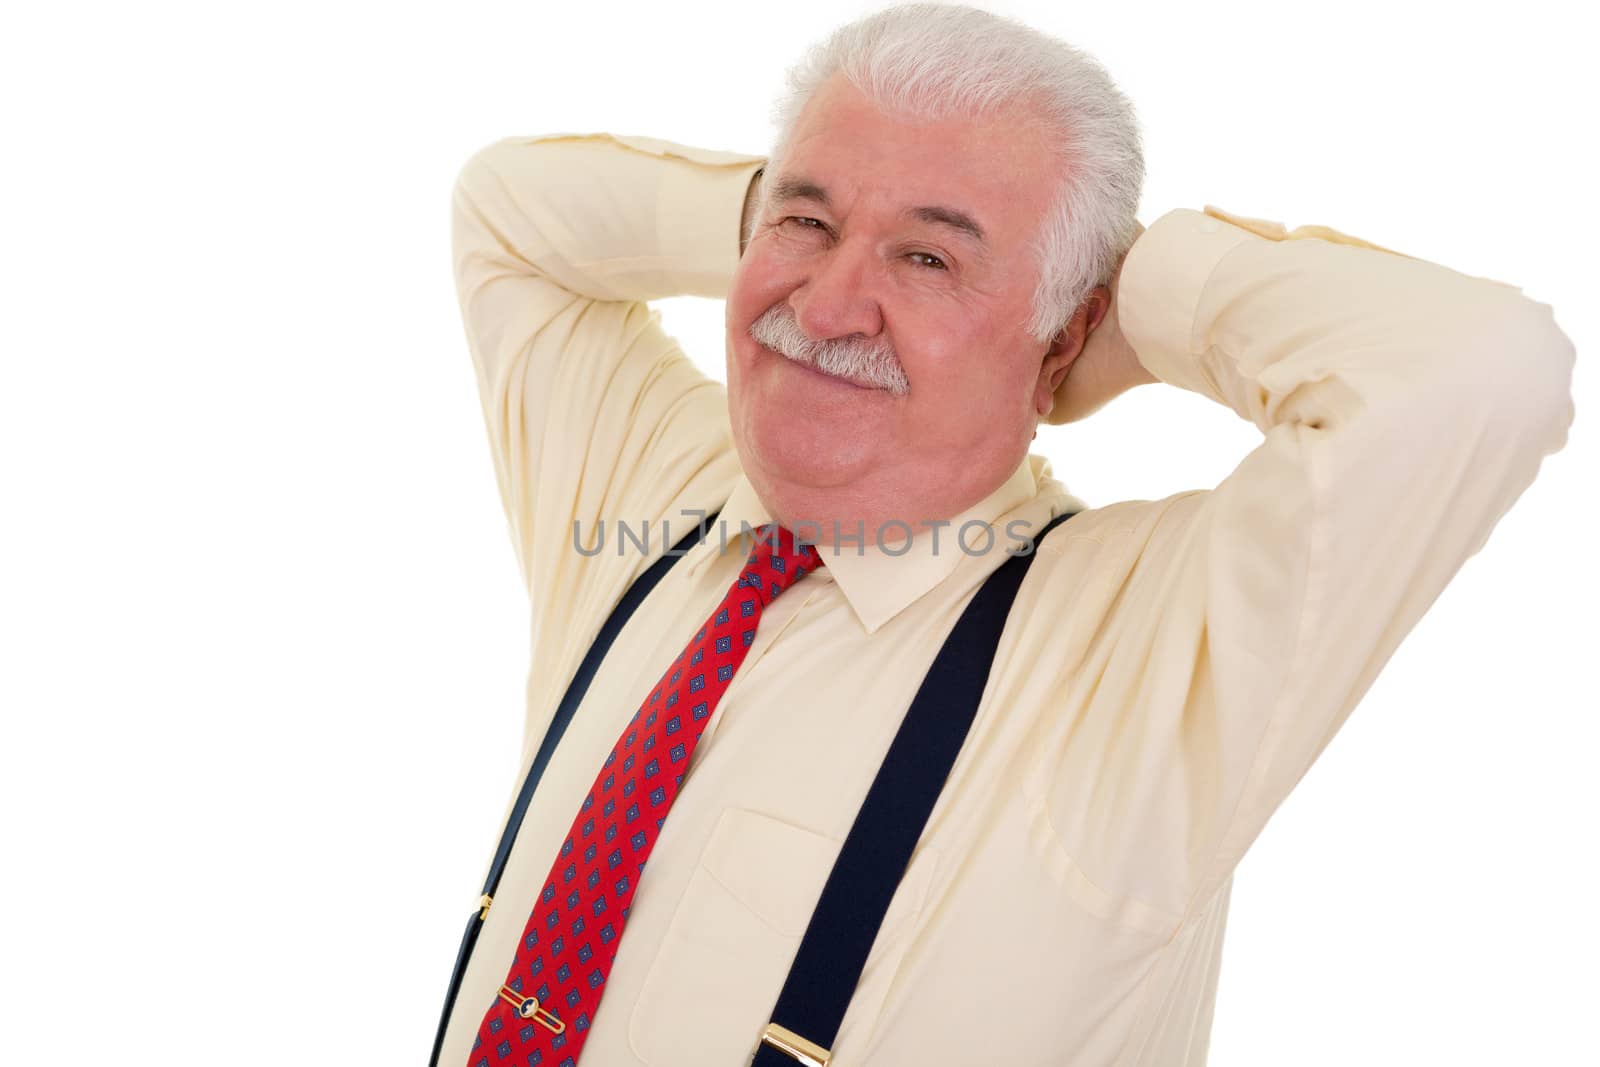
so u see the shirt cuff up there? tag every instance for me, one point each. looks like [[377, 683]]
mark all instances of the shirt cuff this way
[[1159, 291], [1167, 271], [699, 206]]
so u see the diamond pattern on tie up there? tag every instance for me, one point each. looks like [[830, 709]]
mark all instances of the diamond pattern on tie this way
[[644, 770]]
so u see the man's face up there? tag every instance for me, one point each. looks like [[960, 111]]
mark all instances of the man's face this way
[[910, 242]]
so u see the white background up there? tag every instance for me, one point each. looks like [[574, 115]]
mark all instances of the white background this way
[[263, 643]]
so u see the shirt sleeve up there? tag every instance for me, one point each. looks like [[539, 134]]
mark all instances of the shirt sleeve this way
[[593, 412], [1404, 408]]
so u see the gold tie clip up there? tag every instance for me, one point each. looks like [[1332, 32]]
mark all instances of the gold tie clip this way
[[528, 1008]]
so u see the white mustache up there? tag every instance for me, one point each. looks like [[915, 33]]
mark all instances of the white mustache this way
[[869, 363]]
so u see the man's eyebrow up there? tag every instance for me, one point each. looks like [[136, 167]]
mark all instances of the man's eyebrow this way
[[790, 188], [800, 188], [951, 217]]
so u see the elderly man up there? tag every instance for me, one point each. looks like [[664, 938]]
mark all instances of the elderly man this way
[[728, 841]]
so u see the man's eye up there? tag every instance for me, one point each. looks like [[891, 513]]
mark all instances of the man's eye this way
[[930, 260], [808, 223]]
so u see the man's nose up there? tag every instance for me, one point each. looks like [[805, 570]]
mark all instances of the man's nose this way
[[839, 297]]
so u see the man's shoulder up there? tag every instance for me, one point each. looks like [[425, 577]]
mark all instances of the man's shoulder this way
[[1125, 522], [1114, 545]]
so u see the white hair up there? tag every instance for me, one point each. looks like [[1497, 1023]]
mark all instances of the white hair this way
[[933, 61]]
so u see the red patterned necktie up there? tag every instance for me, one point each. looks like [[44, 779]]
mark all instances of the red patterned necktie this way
[[542, 1013]]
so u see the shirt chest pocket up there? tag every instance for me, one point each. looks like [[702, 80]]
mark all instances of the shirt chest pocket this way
[[711, 988]]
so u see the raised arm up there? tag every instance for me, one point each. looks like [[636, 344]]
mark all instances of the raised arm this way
[[593, 412], [1404, 407]]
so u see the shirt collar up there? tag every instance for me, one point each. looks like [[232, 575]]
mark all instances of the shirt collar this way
[[881, 580]]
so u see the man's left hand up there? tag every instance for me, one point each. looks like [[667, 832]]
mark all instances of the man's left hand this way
[[1108, 365]]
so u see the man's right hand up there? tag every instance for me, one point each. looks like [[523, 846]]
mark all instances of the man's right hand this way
[[752, 202]]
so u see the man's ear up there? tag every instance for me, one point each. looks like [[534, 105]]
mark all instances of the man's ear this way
[[1067, 345]]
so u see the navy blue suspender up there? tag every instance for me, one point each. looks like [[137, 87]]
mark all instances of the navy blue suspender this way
[[828, 964], [558, 725], [878, 848]]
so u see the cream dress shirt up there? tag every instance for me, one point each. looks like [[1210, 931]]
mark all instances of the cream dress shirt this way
[[1170, 671]]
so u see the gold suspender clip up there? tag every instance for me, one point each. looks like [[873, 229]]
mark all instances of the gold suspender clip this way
[[483, 903], [794, 1046]]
